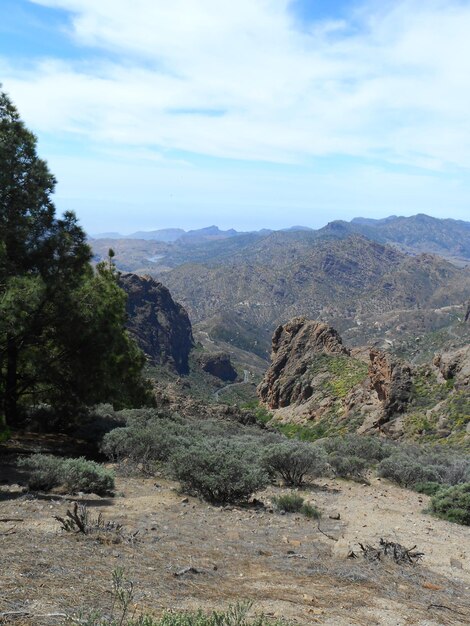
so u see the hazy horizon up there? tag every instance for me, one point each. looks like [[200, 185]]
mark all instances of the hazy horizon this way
[[241, 229]]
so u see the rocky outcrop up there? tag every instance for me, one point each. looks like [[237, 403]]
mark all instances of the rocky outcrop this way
[[314, 377], [392, 382], [467, 314], [294, 345], [219, 365], [455, 365], [160, 325]]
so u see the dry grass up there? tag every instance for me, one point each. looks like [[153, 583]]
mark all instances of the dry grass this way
[[281, 562]]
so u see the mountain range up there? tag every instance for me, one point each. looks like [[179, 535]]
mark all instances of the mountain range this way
[[397, 281], [448, 238]]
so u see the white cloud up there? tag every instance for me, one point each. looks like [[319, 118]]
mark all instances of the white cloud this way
[[397, 89]]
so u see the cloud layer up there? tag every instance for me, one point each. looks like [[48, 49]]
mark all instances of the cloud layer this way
[[246, 80]]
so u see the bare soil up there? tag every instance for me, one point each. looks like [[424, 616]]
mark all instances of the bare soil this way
[[284, 563]]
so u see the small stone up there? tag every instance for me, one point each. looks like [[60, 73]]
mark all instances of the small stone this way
[[185, 501], [335, 516], [456, 563]]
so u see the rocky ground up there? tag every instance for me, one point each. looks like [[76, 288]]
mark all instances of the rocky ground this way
[[287, 564]]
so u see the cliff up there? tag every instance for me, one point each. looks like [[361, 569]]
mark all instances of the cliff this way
[[160, 325]]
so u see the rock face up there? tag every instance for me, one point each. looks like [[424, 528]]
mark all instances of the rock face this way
[[294, 345], [160, 325], [314, 377], [392, 382], [219, 365], [455, 366]]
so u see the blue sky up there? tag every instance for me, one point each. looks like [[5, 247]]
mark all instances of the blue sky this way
[[247, 114]]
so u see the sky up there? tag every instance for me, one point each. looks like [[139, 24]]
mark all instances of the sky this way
[[246, 114]]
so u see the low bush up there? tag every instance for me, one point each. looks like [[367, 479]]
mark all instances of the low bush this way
[[429, 489], [370, 449], [220, 471], [47, 472], [146, 444], [288, 502], [412, 465], [44, 471], [310, 511], [453, 503], [348, 466], [294, 460], [87, 476], [406, 471]]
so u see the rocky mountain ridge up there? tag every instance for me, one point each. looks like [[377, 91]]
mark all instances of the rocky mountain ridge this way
[[316, 383], [346, 282]]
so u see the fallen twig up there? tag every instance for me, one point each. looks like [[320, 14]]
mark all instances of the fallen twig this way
[[326, 534], [187, 570], [448, 608], [11, 519], [23, 613]]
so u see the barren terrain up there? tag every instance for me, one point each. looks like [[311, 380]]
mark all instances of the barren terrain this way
[[284, 563]]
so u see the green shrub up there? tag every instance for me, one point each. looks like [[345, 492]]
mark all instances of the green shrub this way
[[310, 511], [410, 465], [146, 445], [370, 449], [429, 488], [453, 503], [294, 460], [87, 476], [47, 472], [347, 466], [220, 471], [406, 471], [44, 471], [288, 502]]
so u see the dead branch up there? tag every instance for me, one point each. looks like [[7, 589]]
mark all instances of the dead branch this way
[[187, 570], [447, 608], [390, 549], [326, 534]]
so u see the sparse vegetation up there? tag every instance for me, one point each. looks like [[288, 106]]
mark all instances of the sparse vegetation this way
[[288, 502], [310, 511], [294, 503], [123, 593]]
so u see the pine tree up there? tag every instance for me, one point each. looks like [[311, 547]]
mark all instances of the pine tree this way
[[62, 336]]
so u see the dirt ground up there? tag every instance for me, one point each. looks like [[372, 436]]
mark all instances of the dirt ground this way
[[283, 563]]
